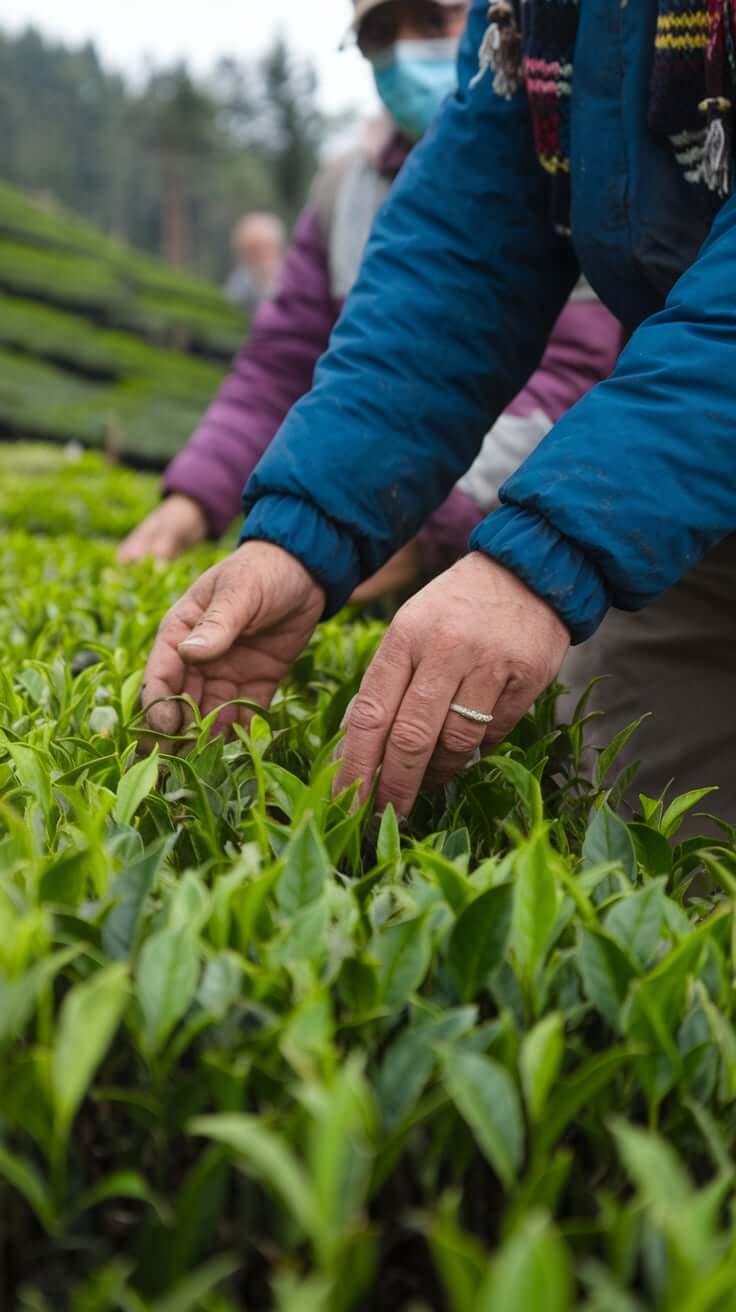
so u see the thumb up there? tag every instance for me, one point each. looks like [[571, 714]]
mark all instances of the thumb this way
[[228, 614]]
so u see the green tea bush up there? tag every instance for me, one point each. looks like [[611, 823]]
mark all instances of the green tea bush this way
[[259, 1049], [135, 416], [25, 220], [100, 344], [80, 282], [69, 340], [52, 491]]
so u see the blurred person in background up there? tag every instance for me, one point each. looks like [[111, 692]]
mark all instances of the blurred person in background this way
[[413, 47], [259, 247]]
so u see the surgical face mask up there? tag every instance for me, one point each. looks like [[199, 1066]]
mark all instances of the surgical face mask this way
[[413, 78]]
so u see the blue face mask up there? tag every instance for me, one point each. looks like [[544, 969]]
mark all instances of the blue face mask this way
[[413, 78]]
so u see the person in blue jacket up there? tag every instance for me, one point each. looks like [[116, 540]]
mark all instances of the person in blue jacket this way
[[593, 137]]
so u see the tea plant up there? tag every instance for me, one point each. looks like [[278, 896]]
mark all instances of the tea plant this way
[[259, 1049]]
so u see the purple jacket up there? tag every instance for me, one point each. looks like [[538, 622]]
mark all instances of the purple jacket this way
[[275, 368]]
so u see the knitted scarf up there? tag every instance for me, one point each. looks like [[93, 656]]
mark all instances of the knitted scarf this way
[[533, 41]]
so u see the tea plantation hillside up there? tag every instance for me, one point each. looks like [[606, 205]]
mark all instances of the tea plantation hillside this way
[[262, 1052], [101, 344]]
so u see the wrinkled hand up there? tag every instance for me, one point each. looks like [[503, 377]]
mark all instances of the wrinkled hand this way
[[397, 575], [172, 528], [234, 634], [475, 635]]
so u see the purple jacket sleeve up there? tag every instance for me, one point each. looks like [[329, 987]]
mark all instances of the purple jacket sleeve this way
[[584, 346], [270, 374], [582, 351]]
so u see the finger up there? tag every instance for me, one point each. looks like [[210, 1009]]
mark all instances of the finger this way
[[134, 548], [164, 678], [373, 712], [226, 617], [164, 547], [517, 697], [165, 674], [414, 736], [461, 739]]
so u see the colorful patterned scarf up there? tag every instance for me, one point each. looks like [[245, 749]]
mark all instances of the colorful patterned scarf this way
[[533, 41]]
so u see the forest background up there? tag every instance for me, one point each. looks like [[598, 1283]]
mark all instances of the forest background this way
[[168, 163]]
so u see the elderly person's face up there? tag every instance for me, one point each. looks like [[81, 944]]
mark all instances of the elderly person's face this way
[[259, 242], [409, 20]]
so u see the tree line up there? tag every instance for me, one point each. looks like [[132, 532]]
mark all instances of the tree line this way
[[167, 165]]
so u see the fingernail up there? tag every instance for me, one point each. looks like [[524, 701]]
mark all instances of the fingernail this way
[[193, 642]]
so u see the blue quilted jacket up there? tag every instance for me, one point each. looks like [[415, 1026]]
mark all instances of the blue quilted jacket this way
[[462, 282]]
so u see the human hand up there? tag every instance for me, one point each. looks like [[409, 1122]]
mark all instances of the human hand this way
[[172, 528], [234, 634], [476, 636], [397, 575]]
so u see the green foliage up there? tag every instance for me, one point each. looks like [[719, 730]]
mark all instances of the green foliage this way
[[133, 419], [257, 1051], [49, 491], [100, 344], [60, 260]]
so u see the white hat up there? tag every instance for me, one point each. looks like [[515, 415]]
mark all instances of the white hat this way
[[364, 7]]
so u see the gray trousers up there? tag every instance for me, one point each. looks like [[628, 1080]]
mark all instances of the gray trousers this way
[[676, 659]]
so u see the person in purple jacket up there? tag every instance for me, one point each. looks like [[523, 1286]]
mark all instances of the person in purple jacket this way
[[291, 331]]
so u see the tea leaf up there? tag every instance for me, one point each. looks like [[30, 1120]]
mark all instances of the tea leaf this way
[[264, 1154], [533, 1270], [486, 1097], [653, 1166], [166, 982], [89, 1017], [525, 784], [578, 1090], [388, 847], [610, 754], [608, 839], [607, 974], [635, 922], [652, 849], [130, 890], [294, 1294], [478, 940], [187, 1296], [457, 889], [221, 985], [306, 867], [199, 1206], [24, 1177], [535, 904], [540, 1061], [32, 775], [677, 810], [121, 1184], [458, 1256], [134, 788], [411, 1058], [402, 954], [18, 996]]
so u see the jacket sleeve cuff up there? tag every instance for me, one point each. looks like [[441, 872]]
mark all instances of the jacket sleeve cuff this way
[[550, 564], [186, 477], [306, 533]]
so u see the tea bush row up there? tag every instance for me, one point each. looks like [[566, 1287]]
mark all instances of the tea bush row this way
[[260, 1050]]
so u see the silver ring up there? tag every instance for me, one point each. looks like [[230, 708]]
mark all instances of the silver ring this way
[[478, 717]]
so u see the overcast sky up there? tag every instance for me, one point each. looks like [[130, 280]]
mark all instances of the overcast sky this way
[[126, 31]]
